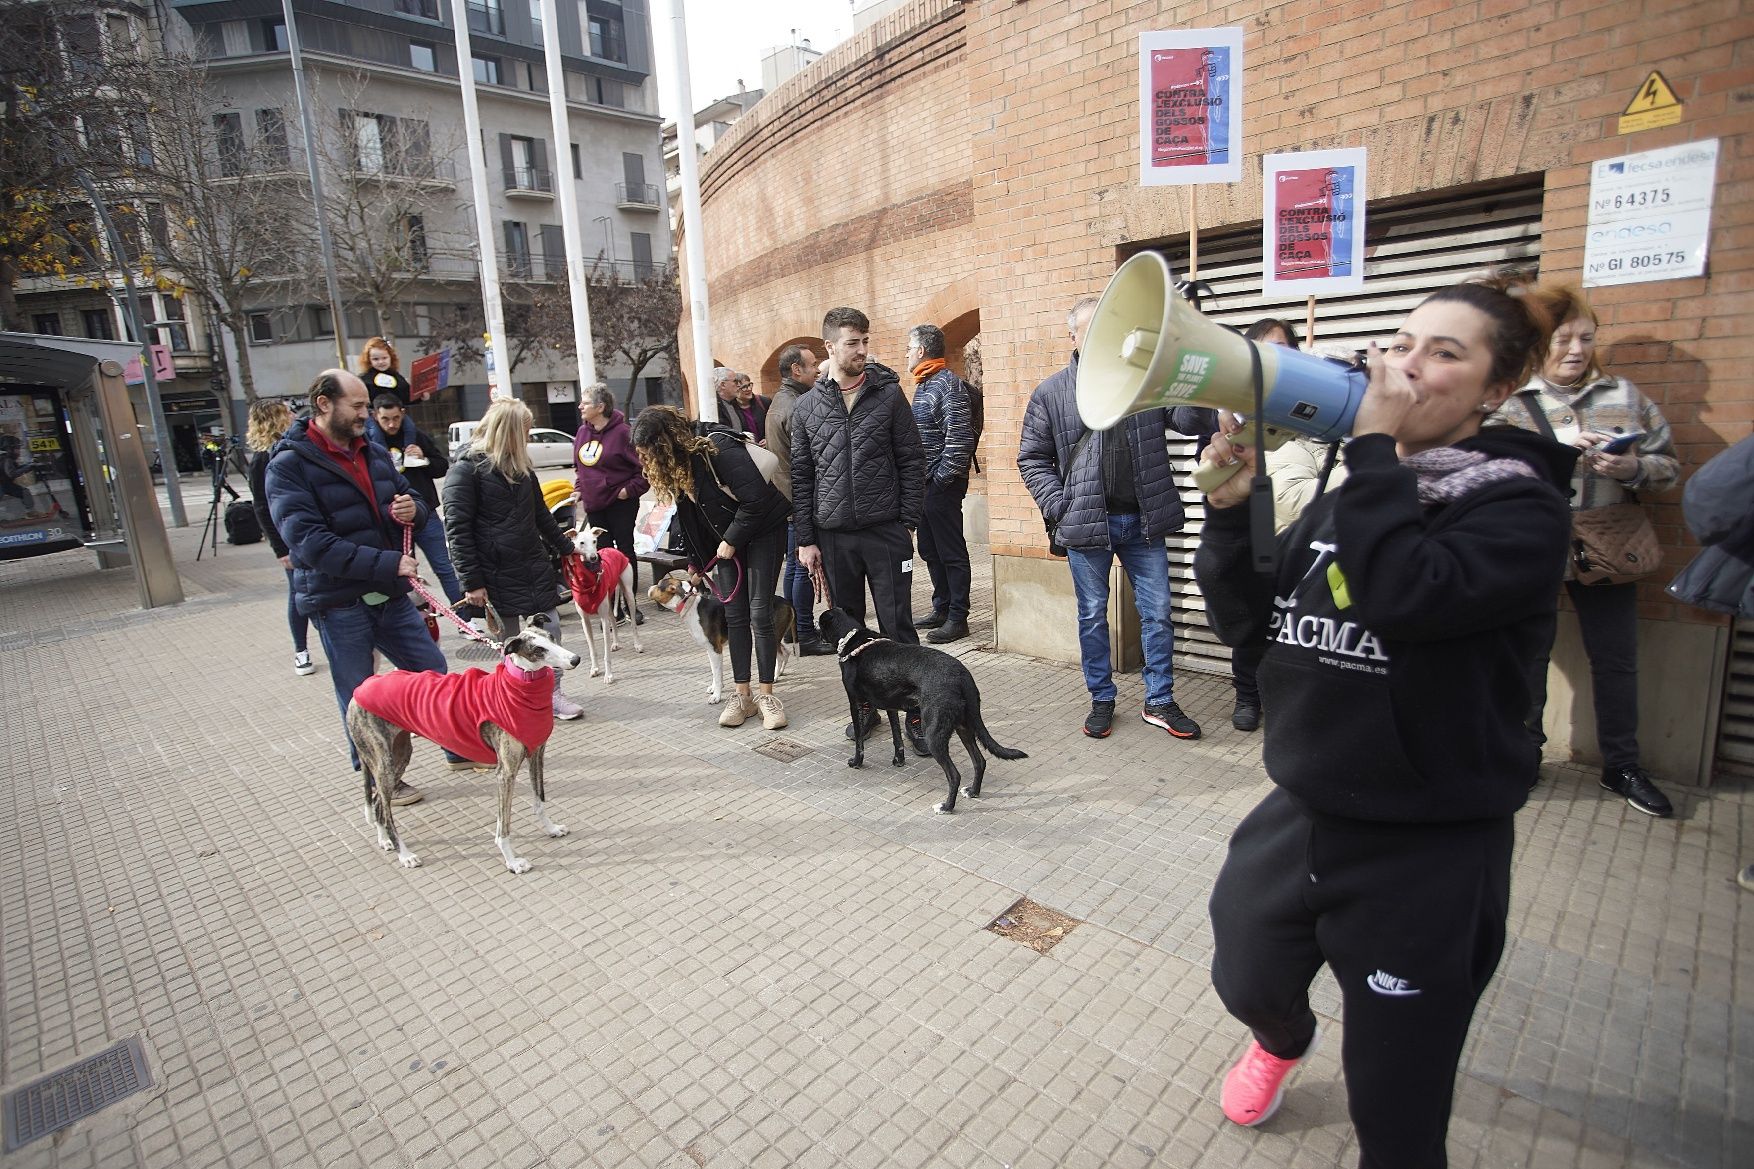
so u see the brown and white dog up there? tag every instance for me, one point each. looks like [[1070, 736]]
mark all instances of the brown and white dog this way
[[464, 713], [599, 580], [686, 595]]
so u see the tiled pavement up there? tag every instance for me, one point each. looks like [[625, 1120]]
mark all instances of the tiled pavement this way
[[738, 961]]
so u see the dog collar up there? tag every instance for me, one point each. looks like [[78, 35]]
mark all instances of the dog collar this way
[[840, 647], [677, 602]]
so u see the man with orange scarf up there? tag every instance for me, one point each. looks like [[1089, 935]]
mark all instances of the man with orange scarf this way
[[941, 410]]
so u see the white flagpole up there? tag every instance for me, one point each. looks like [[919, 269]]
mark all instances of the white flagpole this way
[[498, 380], [704, 398], [569, 196]]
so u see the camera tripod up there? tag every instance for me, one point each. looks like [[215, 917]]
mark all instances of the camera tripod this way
[[221, 461]]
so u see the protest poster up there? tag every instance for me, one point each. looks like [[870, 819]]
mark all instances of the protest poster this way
[[1312, 223], [1190, 107]]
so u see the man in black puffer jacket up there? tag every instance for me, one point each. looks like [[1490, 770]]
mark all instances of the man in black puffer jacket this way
[[341, 506], [1106, 496], [858, 478]]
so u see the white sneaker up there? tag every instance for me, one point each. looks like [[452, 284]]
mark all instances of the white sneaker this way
[[301, 663], [773, 715], [737, 708]]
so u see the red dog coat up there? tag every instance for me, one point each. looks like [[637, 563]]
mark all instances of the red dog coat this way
[[450, 708], [590, 588]]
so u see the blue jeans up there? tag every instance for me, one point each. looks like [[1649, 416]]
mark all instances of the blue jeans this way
[[430, 539], [351, 632], [296, 621], [1146, 564], [798, 589]]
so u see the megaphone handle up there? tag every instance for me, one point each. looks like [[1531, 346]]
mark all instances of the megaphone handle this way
[[1263, 542]]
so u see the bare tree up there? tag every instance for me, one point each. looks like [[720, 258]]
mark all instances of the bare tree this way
[[634, 318], [538, 321], [238, 216], [385, 180]]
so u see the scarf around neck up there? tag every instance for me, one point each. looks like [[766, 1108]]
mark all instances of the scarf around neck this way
[[926, 368], [1446, 474]]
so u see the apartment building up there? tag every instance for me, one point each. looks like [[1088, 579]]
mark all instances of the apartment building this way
[[383, 77]]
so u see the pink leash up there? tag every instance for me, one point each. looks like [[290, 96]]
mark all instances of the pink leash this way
[[438, 603], [735, 589]]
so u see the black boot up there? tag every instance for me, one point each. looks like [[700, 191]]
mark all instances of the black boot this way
[[813, 646]]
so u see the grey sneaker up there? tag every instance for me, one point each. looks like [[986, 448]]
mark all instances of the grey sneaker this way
[[404, 794], [773, 715], [565, 708], [738, 707]]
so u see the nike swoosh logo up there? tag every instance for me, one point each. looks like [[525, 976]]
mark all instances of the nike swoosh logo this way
[[1384, 983]]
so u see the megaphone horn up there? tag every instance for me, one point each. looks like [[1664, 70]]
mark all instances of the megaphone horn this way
[[1148, 348]]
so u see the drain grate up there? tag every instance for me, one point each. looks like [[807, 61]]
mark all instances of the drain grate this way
[[75, 1092], [1035, 926], [785, 750]]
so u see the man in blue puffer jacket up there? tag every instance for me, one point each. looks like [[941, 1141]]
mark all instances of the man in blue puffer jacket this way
[[341, 506], [1108, 496]]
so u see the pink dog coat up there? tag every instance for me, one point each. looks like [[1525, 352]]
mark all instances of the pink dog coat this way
[[450, 708], [590, 588]]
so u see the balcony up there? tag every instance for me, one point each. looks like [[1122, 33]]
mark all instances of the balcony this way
[[425, 172], [638, 197], [530, 181], [486, 18]]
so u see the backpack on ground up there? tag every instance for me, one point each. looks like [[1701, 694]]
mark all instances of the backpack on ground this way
[[241, 526]]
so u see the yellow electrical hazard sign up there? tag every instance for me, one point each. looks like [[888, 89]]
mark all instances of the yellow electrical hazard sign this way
[[1654, 105]]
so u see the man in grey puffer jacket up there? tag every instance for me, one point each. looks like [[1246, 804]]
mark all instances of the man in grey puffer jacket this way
[[858, 478], [1105, 497]]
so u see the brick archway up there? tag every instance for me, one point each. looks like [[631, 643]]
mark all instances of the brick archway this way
[[768, 380]]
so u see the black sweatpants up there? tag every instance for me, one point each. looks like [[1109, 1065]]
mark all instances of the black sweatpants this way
[[1245, 670], [945, 550], [617, 518], [1410, 918], [1607, 619], [881, 555]]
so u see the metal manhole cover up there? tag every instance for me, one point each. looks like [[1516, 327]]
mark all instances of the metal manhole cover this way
[[1035, 926], [73, 1093], [785, 750]]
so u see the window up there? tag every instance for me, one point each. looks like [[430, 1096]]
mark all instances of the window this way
[[422, 56], [414, 235], [517, 248], [48, 323], [102, 137], [536, 21], [228, 129], [605, 38], [322, 320], [525, 176], [485, 16], [633, 169], [85, 54], [605, 93], [642, 254], [140, 138], [261, 328], [426, 8], [271, 136], [157, 227], [486, 70], [99, 323], [578, 169], [172, 310], [121, 35], [274, 36]]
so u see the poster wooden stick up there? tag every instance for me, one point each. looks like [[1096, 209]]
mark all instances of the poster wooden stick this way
[[1309, 324], [1193, 232]]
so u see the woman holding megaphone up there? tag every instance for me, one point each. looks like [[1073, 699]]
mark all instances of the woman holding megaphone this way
[[1406, 606]]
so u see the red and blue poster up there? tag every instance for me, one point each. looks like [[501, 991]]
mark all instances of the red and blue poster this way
[[1313, 222], [1190, 106]]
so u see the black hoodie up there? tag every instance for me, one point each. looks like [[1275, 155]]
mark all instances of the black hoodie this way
[[1400, 634]]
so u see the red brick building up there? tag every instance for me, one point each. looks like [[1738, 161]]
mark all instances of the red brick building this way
[[974, 165]]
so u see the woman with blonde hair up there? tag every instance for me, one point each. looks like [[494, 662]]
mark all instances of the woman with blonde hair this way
[[504, 542], [381, 370], [270, 418], [1571, 400], [733, 523]]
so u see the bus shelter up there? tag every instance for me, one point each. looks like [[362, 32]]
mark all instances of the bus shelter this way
[[74, 470]]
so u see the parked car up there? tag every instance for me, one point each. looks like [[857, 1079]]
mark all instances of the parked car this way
[[548, 448]]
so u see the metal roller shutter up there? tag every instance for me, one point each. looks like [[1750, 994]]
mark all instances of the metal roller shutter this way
[[1735, 738], [1411, 250]]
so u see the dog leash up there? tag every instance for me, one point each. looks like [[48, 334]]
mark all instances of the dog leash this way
[[735, 589], [438, 603]]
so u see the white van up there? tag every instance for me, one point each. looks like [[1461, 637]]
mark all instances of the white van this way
[[461, 433]]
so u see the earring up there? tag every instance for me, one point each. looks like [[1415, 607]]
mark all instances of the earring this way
[[1487, 407]]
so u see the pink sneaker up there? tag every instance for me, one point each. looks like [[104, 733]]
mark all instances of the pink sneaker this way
[[1254, 1087]]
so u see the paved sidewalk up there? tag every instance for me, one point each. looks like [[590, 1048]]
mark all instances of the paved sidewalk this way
[[734, 960]]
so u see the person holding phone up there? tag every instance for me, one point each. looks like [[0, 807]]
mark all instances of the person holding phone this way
[[1627, 455], [1399, 625]]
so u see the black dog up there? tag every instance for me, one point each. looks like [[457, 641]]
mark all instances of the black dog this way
[[881, 673]]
